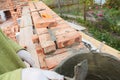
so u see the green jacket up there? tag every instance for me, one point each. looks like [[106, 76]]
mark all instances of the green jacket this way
[[12, 75], [9, 60]]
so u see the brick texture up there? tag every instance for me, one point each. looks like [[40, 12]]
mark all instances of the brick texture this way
[[55, 60], [41, 31], [46, 43], [68, 39]]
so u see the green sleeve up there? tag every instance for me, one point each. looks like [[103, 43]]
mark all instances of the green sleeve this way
[[13, 75], [13, 44]]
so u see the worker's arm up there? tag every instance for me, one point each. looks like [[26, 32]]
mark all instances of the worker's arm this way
[[13, 44], [22, 53], [26, 56], [39, 74], [31, 74], [13, 75]]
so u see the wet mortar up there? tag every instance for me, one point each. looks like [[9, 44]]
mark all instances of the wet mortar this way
[[101, 66]]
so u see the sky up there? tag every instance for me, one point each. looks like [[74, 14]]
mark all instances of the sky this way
[[98, 1]]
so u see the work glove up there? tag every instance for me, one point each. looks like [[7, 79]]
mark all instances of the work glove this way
[[27, 57], [39, 74]]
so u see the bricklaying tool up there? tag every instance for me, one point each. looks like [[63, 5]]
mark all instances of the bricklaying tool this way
[[52, 36]]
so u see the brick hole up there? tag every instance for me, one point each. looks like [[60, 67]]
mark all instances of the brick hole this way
[[77, 40], [65, 43], [47, 27], [56, 44]]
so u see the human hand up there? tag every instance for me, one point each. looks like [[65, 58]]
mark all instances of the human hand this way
[[26, 56], [39, 74]]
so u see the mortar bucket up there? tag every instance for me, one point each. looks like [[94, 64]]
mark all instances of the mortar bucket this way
[[101, 66]]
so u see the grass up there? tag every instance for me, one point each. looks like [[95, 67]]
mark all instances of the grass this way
[[102, 34], [99, 34], [48, 2]]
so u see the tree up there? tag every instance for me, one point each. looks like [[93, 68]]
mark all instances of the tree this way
[[86, 5], [84, 10]]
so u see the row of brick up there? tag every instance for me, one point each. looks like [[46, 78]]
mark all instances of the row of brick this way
[[47, 11], [64, 34], [42, 51], [63, 31], [51, 61], [44, 39], [46, 43], [42, 46], [40, 18], [10, 33], [64, 37]]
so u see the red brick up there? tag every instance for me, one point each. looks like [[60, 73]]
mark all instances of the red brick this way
[[42, 62], [48, 46], [32, 7], [41, 31], [44, 37], [45, 15], [35, 16], [79, 46], [41, 56], [36, 19], [60, 26], [35, 38], [44, 23], [46, 20], [49, 17], [68, 39], [63, 31], [60, 51], [39, 49], [55, 60], [16, 28], [8, 32], [46, 43], [12, 35]]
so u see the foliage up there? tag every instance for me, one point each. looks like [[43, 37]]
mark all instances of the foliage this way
[[48, 2], [106, 27], [112, 17], [102, 34], [113, 4], [88, 2], [112, 13]]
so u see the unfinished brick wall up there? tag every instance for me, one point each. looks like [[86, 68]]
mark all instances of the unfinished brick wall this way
[[48, 25], [15, 11], [9, 32], [19, 10]]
